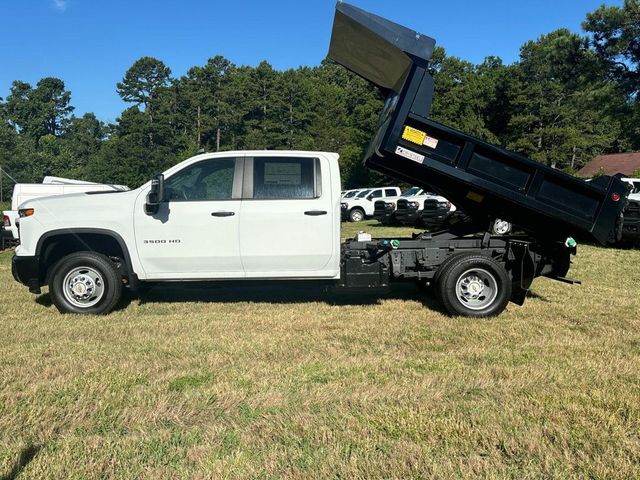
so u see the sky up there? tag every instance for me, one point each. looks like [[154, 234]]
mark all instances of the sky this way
[[91, 43]]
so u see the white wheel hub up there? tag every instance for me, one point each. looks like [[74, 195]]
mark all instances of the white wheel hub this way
[[83, 287], [476, 289]]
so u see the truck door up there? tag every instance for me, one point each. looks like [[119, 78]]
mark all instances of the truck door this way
[[195, 233], [289, 222]]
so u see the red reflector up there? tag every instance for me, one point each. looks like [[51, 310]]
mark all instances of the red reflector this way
[[6, 221], [615, 197]]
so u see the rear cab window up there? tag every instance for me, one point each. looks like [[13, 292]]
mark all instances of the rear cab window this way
[[286, 178]]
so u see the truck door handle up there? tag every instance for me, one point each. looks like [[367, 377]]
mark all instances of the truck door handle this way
[[223, 214], [315, 213]]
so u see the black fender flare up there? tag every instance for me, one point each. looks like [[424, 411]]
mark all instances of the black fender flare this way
[[133, 279]]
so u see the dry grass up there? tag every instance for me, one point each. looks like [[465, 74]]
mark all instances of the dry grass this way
[[264, 382]]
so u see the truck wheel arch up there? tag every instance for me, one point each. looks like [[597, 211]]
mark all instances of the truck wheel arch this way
[[50, 247]]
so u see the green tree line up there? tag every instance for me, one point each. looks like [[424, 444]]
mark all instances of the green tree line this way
[[568, 98]]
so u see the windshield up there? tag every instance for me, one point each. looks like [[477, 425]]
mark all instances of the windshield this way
[[411, 192], [363, 193], [351, 194]]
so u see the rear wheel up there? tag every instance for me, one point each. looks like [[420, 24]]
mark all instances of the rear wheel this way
[[85, 283], [474, 286], [356, 215]]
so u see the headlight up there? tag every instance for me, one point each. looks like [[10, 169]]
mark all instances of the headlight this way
[[26, 212], [343, 205]]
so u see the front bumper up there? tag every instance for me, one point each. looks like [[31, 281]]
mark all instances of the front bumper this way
[[344, 213], [384, 216], [434, 217], [26, 270], [631, 230], [408, 216], [6, 235]]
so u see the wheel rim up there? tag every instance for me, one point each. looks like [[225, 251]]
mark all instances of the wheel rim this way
[[356, 215], [476, 289], [83, 287], [501, 227]]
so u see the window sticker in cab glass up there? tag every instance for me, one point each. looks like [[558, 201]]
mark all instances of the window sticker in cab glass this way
[[282, 173]]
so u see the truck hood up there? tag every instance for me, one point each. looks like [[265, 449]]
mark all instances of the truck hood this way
[[81, 207]]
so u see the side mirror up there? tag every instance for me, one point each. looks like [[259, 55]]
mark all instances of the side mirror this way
[[155, 196], [369, 198]]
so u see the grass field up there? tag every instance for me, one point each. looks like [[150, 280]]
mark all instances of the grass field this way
[[265, 382]]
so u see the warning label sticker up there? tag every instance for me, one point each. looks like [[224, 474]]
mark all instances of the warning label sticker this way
[[430, 142], [403, 152], [413, 135]]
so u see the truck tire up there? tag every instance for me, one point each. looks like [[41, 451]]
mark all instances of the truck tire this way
[[356, 215], [474, 285], [85, 283]]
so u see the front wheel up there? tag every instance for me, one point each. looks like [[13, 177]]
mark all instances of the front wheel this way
[[85, 283], [356, 215], [474, 286]]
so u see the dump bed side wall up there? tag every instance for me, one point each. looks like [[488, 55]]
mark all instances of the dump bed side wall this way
[[487, 181]]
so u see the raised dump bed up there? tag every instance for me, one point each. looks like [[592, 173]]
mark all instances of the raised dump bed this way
[[484, 180]]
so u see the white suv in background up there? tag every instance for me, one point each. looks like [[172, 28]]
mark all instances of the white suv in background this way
[[361, 206]]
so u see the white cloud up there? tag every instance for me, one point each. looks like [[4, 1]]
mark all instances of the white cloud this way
[[61, 5]]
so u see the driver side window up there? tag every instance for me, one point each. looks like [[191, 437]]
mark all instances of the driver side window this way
[[206, 180]]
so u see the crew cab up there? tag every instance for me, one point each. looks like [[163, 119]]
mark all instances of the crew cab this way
[[232, 215], [361, 206]]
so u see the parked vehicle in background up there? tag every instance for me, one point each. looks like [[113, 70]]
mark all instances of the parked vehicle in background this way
[[410, 210], [50, 186], [436, 210], [350, 193], [6, 237], [631, 222], [635, 183], [385, 210], [362, 205]]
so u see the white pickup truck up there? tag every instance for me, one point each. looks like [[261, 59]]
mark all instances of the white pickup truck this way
[[276, 215], [234, 215], [240, 216], [362, 205]]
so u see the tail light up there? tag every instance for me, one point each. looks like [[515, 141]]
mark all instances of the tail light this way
[[6, 221]]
